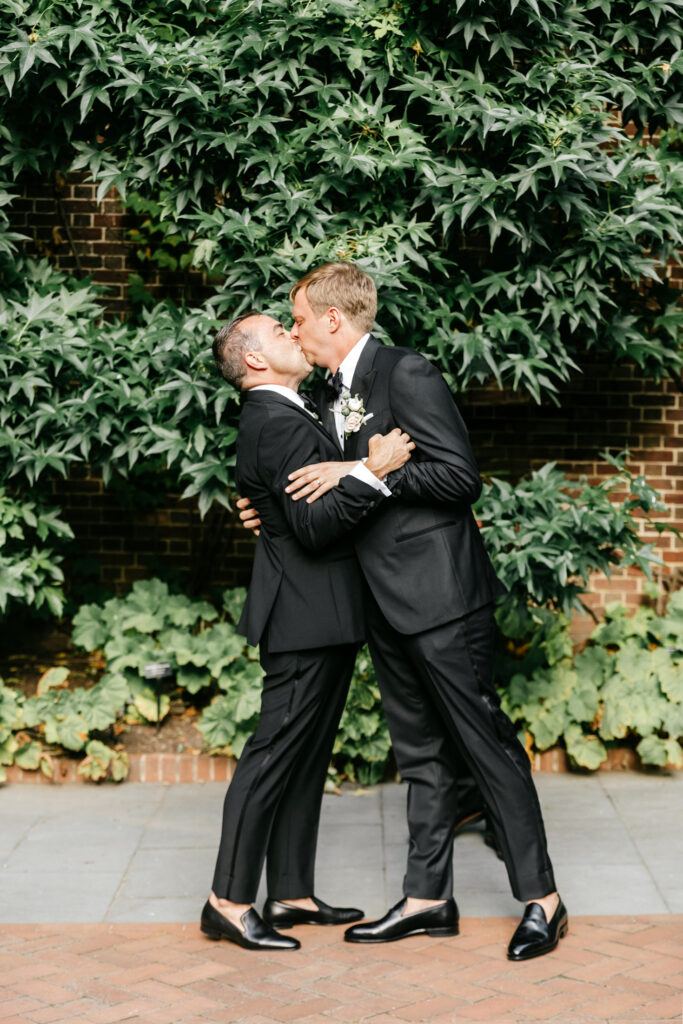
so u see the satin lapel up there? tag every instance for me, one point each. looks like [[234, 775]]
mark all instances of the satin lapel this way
[[326, 415], [273, 397], [361, 385], [331, 427]]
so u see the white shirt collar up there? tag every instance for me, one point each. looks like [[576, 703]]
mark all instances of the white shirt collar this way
[[350, 362], [280, 389]]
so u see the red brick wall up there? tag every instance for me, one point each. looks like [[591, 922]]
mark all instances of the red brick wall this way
[[131, 545], [64, 222], [608, 406]]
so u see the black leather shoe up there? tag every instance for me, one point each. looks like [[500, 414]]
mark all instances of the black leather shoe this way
[[438, 921], [536, 936], [256, 935], [284, 915]]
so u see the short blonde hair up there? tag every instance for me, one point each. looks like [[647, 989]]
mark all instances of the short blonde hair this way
[[343, 286]]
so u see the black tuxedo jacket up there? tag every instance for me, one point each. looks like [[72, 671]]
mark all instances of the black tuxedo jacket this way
[[306, 587], [421, 552]]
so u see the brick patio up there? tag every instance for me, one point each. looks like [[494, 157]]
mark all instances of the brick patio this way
[[609, 970]]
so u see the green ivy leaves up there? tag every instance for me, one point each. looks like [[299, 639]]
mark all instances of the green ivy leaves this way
[[441, 145]]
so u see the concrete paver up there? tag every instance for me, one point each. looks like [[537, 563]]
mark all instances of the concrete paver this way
[[147, 850]]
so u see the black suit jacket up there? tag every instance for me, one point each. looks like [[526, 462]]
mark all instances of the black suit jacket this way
[[421, 553], [306, 587]]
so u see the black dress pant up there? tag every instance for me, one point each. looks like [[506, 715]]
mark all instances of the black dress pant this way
[[440, 702], [272, 807]]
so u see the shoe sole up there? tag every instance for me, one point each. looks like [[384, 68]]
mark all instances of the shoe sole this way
[[216, 936], [564, 928], [435, 933], [284, 926]]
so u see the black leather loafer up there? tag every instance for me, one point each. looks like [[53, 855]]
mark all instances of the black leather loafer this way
[[284, 915], [256, 935], [536, 936], [439, 920]]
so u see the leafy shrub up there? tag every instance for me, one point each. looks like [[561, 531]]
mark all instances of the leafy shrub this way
[[30, 573], [476, 157], [627, 684], [63, 718], [66, 717], [363, 745], [101, 762], [10, 723], [212, 662], [111, 396], [150, 625], [547, 535]]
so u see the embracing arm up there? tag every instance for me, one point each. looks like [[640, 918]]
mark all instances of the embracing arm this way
[[283, 447], [421, 403]]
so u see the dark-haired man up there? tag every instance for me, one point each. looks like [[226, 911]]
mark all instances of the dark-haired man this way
[[304, 609]]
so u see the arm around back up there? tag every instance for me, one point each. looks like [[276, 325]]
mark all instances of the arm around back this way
[[285, 444]]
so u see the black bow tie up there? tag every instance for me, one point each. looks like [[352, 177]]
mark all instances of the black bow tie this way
[[335, 384], [309, 404]]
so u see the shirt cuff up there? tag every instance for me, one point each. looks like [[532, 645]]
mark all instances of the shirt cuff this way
[[362, 473]]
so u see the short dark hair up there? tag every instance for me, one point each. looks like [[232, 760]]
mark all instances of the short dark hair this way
[[230, 345]]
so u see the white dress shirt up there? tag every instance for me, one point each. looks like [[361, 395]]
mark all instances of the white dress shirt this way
[[347, 368], [360, 471]]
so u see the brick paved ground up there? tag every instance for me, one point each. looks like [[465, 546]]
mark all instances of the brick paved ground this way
[[609, 970]]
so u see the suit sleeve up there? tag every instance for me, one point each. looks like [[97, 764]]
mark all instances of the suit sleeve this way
[[284, 446], [443, 468]]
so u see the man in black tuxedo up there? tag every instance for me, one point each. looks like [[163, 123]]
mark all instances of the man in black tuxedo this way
[[304, 608], [430, 594]]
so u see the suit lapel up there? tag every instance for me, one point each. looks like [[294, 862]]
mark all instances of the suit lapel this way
[[271, 397], [361, 385], [327, 415], [364, 376], [331, 427]]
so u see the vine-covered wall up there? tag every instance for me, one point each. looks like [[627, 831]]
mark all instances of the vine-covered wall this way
[[610, 407]]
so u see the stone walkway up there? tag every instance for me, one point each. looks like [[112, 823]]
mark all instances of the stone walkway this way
[[101, 888]]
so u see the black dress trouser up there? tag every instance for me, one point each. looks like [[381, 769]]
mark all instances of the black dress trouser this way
[[440, 702], [272, 807]]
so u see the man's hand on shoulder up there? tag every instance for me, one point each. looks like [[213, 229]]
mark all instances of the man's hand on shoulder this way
[[249, 516]]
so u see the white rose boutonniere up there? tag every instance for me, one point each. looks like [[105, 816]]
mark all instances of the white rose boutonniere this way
[[353, 411]]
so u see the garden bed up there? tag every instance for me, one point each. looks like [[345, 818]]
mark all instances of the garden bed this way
[[30, 650]]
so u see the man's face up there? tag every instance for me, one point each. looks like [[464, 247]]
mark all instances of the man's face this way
[[310, 331], [283, 353]]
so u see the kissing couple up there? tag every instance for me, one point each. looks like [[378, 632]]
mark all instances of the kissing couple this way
[[361, 495]]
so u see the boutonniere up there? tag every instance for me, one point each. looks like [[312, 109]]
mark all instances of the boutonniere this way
[[353, 411]]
